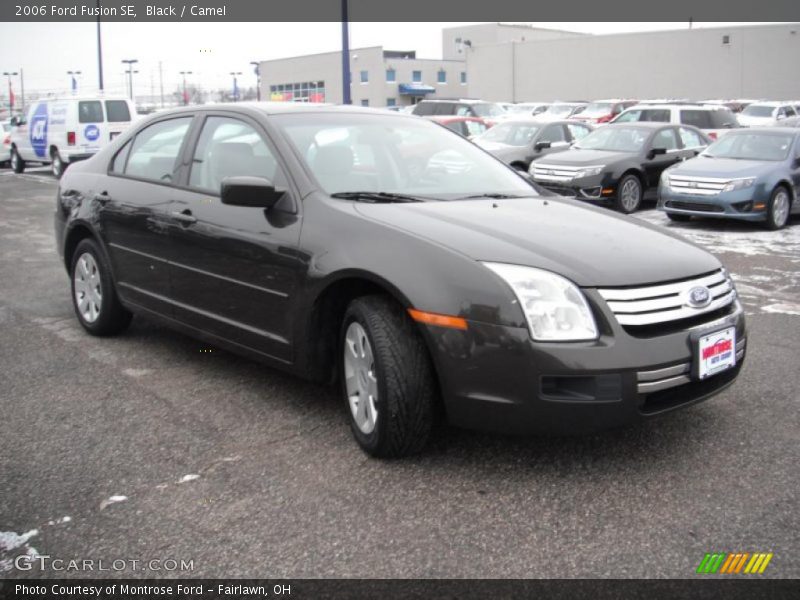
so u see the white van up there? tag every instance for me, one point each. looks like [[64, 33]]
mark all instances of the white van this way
[[61, 131]]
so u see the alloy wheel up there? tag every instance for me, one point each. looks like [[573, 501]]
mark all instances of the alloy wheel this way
[[361, 381], [780, 208], [88, 290], [629, 194]]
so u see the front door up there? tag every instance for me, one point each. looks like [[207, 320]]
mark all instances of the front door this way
[[234, 269], [667, 139]]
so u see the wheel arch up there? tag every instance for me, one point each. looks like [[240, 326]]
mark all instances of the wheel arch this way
[[78, 231], [783, 182]]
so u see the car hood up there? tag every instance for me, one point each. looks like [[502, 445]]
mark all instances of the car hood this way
[[704, 166], [499, 148], [580, 158], [588, 245]]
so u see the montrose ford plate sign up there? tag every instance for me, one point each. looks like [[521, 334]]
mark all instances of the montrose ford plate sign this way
[[716, 352]]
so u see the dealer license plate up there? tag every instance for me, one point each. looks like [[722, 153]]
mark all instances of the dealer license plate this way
[[716, 352]]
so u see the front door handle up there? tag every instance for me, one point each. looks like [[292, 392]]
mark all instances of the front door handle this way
[[185, 216]]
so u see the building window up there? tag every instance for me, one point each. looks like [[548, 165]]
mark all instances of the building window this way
[[364, 76], [390, 76], [416, 76], [726, 39], [305, 91], [463, 77], [391, 102], [441, 76], [365, 102]]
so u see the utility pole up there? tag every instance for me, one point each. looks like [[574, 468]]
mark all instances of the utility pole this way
[[161, 83], [185, 97], [130, 62], [99, 50], [257, 69], [235, 85], [346, 99], [22, 90]]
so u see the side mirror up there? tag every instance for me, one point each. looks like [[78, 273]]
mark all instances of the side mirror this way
[[656, 152], [539, 146], [257, 192]]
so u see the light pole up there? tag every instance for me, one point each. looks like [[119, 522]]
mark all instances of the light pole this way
[[130, 62], [257, 70], [74, 82], [185, 97], [346, 99], [235, 86], [10, 74], [99, 50]]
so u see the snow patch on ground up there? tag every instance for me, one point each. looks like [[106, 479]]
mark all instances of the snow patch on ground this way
[[112, 500], [189, 477], [10, 540]]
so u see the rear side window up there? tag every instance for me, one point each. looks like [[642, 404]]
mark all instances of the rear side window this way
[[117, 111], [723, 118], [697, 118], [155, 151], [90, 111], [425, 108], [118, 164], [660, 115], [691, 139], [475, 127]]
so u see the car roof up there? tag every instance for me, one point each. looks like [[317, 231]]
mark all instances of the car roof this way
[[451, 118], [772, 103], [277, 108], [767, 130], [461, 100], [645, 124], [688, 105]]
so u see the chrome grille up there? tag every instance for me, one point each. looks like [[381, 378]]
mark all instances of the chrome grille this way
[[667, 302], [699, 186], [554, 172]]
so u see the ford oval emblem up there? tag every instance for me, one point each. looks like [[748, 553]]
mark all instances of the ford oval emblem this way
[[699, 296]]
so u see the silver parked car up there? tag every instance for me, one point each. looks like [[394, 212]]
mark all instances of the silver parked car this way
[[519, 142]]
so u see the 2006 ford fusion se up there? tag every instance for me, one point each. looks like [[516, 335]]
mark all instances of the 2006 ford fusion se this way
[[383, 252]]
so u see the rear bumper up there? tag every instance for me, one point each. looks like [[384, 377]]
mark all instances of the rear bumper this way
[[497, 379], [75, 157]]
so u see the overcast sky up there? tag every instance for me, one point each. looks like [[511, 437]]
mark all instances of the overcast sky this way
[[46, 51]]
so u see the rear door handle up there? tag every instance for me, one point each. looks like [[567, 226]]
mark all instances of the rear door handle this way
[[184, 216]]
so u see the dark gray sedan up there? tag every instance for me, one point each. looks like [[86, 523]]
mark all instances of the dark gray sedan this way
[[519, 142]]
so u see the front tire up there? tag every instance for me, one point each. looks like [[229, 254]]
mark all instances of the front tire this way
[[94, 298], [387, 378], [57, 164], [17, 164], [629, 194], [780, 204]]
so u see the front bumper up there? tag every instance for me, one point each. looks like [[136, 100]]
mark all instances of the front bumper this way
[[747, 204], [496, 378], [597, 188]]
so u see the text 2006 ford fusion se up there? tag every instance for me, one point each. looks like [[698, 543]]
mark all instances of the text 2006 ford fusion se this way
[[386, 254]]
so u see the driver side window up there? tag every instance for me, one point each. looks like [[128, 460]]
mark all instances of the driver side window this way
[[553, 134], [665, 139], [156, 150]]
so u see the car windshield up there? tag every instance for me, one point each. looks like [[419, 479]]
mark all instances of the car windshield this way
[[617, 139], [395, 155], [755, 110], [513, 134], [751, 146], [598, 109], [488, 110], [560, 110]]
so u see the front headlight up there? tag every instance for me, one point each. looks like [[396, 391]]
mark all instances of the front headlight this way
[[589, 171], [556, 310], [665, 179], [739, 184]]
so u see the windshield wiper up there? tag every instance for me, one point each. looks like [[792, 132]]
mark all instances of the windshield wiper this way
[[376, 197], [493, 196]]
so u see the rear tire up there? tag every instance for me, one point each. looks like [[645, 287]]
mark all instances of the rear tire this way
[[679, 218], [94, 298], [387, 378], [17, 164], [778, 209], [57, 164], [629, 194]]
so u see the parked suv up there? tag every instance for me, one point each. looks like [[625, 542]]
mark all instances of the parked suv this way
[[714, 121], [307, 238], [461, 108], [760, 114]]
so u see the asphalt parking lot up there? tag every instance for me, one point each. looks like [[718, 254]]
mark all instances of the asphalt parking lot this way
[[153, 446]]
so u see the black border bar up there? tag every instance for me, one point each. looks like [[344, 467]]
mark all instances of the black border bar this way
[[399, 10]]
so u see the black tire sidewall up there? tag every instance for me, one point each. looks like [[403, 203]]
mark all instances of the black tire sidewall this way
[[55, 157], [112, 316], [19, 165]]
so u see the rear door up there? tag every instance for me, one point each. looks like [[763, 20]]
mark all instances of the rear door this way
[[135, 199], [91, 130], [234, 269]]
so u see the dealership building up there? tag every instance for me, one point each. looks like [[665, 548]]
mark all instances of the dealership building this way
[[520, 63]]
